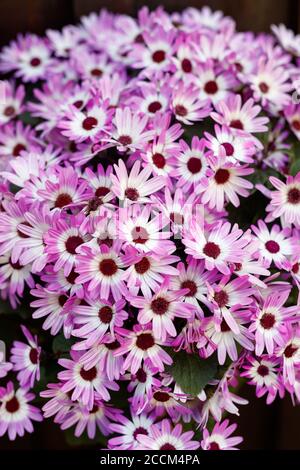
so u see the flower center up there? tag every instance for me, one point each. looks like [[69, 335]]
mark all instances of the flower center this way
[[211, 87], [267, 321], [101, 191], [263, 370], [211, 250], [140, 430], [72, 243], [222, 176], [290, 350], [154, 106], [214, 446], [160, 306], [145, 341], [125, 140], [140, 235], [236, 124], [132, 194], [186, 65], [105, 314], [18, 149], [194, 165], [191, 285], [89, 123], [221, 298], [264, 88], [108, 267], [229, 149], [142, 266], [167, 446], [88, 375], [63, 200], [141, 376], [293, 196], [158, 56], [13, 405], [35, 62], [163, 397], [9, 111], [159, 160], [272, 246], [180, 110], [34, 355]]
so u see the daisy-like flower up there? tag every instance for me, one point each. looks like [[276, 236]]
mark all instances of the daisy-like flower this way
[[192, 165], [227, 184], [263, 374], [84, 383], [268, 321], [16, 413], [163, 436], [219, 438], [12, 105], [161, 308], [270, 84], [285, 200], [135, 187], [130, 131], [242, 117], [275, 245], [187, 106], [97, 317], [128, 430], [63, 240], [101, 269], [236, 148], [222, 245], [26, 359], [140, 344]]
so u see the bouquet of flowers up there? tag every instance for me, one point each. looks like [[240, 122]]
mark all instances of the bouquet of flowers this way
[[149, 228]]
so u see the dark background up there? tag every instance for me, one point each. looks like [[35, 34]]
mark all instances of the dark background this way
[[262, 426]]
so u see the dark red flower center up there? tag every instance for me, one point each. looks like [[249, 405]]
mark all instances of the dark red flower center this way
[[229, 149], [125, 140], [63, 200], [105, 314], [141, 375], [158, 56], [264, 88], [263, 370], [180, 110], [35, 62], [211, 87], [132, 194], [154, 106], [186, 65], [142, 266], [191, 285], [194, 165], [212, 250], [34, 355], [163, 397], [9, 111], [293, 196], [290, 350], [88, 375], [12, 405], [145, 341], [159, 160], [18, 149], [140, 430], [267, 321], [272, 246], [236, 124], [139, 235], [108, 267], [222, 176], [221, 298], [160, 305], [73, 243]]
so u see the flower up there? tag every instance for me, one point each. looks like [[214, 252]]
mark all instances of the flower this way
[[16, 414], [219, 438]]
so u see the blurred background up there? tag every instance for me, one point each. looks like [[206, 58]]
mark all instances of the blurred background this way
[[262, 426]]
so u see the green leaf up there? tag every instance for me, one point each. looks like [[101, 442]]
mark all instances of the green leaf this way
[[191, 372]]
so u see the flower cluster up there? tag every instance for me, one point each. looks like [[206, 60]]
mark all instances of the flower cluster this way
[[150, 211]]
